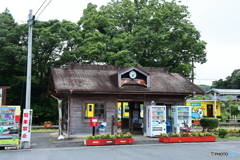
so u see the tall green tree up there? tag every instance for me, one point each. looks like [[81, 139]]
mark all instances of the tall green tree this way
[[231, 82], [11, 56], [153, 33]]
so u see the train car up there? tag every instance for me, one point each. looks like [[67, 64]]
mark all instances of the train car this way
[[203, 109]]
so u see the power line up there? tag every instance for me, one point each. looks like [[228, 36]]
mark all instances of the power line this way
[[40, 7], [44, 7]]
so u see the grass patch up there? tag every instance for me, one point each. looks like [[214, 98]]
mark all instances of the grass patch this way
[[44, 130], [228, 137], [49, 139]]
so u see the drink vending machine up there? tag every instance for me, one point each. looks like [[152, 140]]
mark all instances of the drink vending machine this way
[[155, 120], [181, 119]]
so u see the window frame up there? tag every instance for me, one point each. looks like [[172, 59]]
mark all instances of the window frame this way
[[95, 102]]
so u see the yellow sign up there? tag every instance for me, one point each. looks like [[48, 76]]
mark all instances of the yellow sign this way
[[9, 142]]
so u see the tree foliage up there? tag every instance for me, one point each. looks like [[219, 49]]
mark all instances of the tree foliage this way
[[231, 82], [153, 33]]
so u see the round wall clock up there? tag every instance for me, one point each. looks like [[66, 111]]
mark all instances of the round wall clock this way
[[132, 74]]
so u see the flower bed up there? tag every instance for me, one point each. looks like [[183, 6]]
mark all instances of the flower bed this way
[[108, 139], [47, 124], [187, 137]]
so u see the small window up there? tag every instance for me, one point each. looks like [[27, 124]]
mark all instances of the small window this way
[[94, 110]]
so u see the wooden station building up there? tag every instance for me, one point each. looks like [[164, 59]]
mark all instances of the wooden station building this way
[[114, 93]]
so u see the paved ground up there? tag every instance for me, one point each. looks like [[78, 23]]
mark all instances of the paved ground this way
[[50, 140]]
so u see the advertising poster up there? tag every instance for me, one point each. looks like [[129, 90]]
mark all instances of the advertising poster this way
[[7, 117]]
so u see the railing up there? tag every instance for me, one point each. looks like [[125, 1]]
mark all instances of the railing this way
[[42, 127], [233, 119]]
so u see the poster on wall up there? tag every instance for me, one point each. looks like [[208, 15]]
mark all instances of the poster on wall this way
[[7, 117], [26, 125]]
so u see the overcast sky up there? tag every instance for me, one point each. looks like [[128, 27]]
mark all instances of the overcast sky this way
[[217, 20]]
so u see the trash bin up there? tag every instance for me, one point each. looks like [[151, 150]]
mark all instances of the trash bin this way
[[101, 130], [168, 126]]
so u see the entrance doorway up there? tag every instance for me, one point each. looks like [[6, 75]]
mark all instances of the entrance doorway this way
[[209, 110], [130, 117]]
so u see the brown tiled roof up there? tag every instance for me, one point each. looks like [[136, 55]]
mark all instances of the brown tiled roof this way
[[102, 78]]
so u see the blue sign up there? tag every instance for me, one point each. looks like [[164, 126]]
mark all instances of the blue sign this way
[[195, 104]]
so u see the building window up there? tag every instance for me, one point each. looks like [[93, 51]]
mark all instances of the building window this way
[[94, 110]]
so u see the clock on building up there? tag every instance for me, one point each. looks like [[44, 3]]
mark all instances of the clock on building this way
[[132, 74]]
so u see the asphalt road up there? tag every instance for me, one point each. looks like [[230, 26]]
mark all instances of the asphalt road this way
[[173, 151]]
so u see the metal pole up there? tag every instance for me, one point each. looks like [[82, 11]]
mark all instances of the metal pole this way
[[59, 117], [29, 69], [215, 99], [29, 61], [93, 131]]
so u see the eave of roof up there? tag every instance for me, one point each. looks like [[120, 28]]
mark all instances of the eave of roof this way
[[94, 79]]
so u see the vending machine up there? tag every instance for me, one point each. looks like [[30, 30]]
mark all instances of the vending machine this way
[[155, 120], [181, 119]]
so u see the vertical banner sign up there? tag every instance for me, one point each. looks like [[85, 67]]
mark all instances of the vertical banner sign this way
[[26, 125], [0, 97]]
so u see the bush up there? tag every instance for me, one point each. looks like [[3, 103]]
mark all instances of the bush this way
[[222, 133], [209, 123]]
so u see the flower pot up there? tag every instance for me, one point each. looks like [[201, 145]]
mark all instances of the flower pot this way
[[47, 124], [120, 141], [198, 139], [107, 141], [92, 142], [209, 138]]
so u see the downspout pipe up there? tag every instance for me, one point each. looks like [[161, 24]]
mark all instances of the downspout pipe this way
[[59, 117]]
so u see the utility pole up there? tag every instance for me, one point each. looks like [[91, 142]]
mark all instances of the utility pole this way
[[29, 60], [27, 136]]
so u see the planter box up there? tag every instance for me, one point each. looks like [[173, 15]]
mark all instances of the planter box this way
[[169, 139], [95, 142], [130, 140], [198, 139], [173, 139], [92, 142], [107, 141], [120, 141], [163, 139], [187, 139], [47, 125], [210, 138]]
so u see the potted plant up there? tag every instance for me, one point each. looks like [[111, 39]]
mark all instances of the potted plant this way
[[123, 138], [119, 122], [107, 139], [174, 137], [186, 137], [92, 140], [209, 137], [198, 137], [47, 124], [128, 136], [163, 138]]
